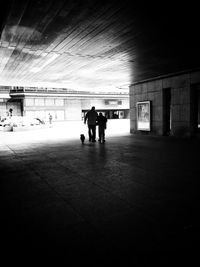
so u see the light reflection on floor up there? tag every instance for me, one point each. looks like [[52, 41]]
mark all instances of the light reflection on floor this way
[[70, 130]]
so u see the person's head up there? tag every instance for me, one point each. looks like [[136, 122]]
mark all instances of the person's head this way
[[100, 114], [93, 108]]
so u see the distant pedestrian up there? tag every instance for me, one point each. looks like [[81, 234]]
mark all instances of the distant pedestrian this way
[[101, 122], [50, 119], [10, 112], [91, 118]]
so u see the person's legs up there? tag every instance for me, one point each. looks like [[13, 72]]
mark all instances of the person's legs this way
[[99, 134], [93, 127], [90, 132], [103, 135]]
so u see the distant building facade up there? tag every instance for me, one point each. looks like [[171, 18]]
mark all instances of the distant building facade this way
[[62, 104]]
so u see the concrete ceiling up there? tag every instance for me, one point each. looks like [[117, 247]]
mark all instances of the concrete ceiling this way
[[94, 45]]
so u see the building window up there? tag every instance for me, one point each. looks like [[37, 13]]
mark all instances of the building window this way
[[49, 102], [59, 102], [29, 101], [39, 101], [113, 102]]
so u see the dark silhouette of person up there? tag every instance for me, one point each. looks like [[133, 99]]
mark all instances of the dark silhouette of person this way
[[101, 122], [10, 112], [91, 118]]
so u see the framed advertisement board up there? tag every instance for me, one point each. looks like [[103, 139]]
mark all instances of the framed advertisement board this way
[[143, 115]]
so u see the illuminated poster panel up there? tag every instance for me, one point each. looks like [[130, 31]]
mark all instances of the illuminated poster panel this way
[[143, 116]]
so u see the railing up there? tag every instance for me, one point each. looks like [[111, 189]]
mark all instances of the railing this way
[[59, 90]]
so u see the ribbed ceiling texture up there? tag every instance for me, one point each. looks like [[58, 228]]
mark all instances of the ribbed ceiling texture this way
[[95, 45]]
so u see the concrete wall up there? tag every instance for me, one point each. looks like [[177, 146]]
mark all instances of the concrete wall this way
[[180, 86]]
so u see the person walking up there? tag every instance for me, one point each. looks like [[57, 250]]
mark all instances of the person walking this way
[[101, 122], [91, 118], [50, 119]]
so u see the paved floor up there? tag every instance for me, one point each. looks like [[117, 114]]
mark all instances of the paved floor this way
[[133, 200]]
